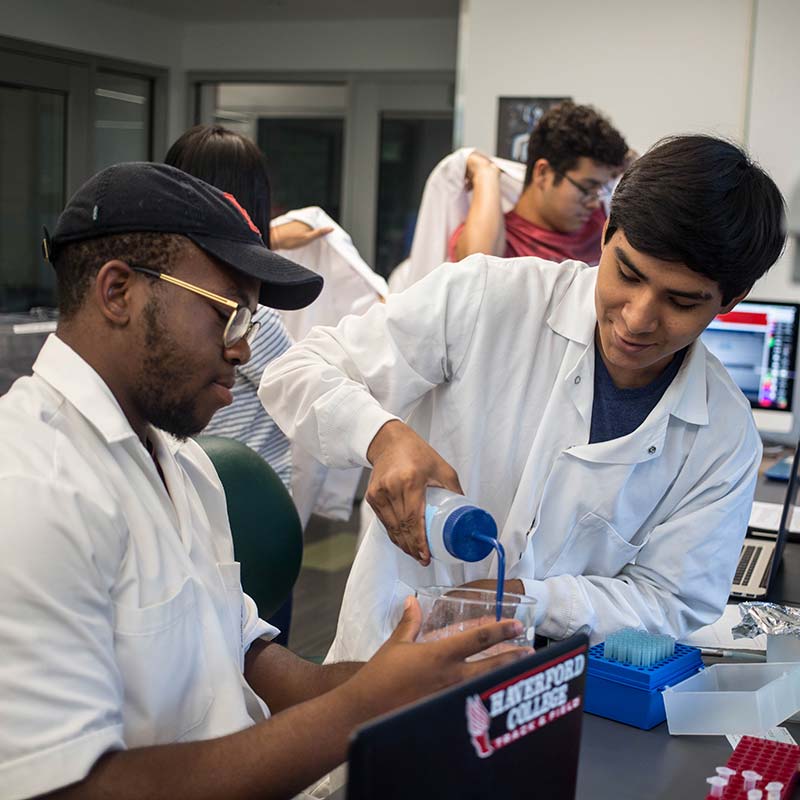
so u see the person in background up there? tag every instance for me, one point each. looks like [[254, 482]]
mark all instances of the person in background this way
[[573, 154], [133, 664], [234, 164], [577, 405]]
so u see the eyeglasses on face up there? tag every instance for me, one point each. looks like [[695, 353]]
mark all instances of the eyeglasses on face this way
[[240, 323], [587, 195]]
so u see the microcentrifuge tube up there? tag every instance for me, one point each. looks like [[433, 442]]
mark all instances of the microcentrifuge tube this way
[[726, 772], [774, 789], [717, 785], [754, 794], [751, 778]]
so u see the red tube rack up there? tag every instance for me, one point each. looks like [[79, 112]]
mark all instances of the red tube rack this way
[[774, 761]]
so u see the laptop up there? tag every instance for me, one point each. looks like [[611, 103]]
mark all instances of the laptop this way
[[511, 733], [760, 558]]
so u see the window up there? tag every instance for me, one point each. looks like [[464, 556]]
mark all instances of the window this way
[[122, 119], [63, 116], [32, 191]]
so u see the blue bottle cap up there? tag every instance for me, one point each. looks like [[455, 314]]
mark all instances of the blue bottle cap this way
[[459, 532]]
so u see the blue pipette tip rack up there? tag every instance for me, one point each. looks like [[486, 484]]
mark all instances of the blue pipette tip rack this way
[[631, 694]]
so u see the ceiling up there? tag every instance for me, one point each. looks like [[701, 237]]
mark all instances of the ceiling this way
[[298, 10]]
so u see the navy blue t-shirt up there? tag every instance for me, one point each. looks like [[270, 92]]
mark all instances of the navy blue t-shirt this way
[[618, 412]]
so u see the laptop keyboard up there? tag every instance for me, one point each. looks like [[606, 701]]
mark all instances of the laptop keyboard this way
[[747, 563]]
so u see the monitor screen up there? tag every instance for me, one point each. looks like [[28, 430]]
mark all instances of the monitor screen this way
[[757, 342]]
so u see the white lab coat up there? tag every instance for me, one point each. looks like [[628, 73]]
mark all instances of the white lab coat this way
[[495, 360], [444, 206], [123, 620], [351, 287]]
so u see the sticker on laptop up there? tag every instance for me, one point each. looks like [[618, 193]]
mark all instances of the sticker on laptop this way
[[505, 713]]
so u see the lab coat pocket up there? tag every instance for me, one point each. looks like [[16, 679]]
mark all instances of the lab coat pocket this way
[[162, 662], [593, 547]]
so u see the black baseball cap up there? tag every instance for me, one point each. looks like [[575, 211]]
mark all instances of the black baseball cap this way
[[144, 197]]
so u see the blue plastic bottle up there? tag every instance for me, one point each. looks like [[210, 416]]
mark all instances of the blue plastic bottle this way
[[456, 528]]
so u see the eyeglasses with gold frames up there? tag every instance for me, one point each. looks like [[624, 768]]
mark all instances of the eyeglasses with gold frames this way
[[240, 323]]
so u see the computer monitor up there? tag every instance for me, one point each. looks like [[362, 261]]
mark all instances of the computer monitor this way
[[757, 341]]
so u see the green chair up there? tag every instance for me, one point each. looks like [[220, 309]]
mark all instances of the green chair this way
[[267, 536]]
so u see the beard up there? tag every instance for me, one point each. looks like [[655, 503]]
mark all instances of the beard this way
[[165, 371]]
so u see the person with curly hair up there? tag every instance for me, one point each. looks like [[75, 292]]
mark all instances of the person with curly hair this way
[[573, 154]]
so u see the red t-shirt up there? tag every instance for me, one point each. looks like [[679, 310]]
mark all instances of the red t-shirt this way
[[523, 238]]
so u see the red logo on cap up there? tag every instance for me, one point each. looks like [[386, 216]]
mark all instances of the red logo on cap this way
[[235, 204]]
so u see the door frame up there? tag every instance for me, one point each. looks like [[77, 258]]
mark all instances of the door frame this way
[[370, 94]]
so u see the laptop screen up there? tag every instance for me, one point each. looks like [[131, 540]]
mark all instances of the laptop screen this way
[[758, 344], [783, 528], [512, 733]]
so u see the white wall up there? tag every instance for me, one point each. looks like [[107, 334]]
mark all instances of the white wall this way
[[654, 68], [378, 44], [100, 29], [774, 130]]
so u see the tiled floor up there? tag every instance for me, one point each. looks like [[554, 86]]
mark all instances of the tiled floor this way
[[327, 556]]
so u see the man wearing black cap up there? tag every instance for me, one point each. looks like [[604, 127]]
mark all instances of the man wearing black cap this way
[[133, 665]]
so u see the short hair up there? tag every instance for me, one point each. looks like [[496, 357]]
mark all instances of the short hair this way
[[78, 263], [700, 201], [567, 132], [230, 162]]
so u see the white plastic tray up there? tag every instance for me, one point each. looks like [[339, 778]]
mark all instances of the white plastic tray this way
[[734, 698]]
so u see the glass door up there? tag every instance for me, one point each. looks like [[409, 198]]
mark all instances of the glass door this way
[[300, 128], [122, 118], [32, 189], [360, 146], [411, 145], [44, 144]]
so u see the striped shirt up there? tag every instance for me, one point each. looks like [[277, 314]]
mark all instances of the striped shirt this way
[[245, 418]]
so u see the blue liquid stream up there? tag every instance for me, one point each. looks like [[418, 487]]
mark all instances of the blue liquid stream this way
[[501, 570]]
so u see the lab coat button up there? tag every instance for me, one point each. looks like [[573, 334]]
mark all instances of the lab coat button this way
[[651, 449], [577, 379]]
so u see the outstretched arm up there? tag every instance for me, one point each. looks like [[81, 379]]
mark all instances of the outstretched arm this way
[[483, 230], [403, 466], [681, 576], [294, 234], [340, 391], [278, 757]]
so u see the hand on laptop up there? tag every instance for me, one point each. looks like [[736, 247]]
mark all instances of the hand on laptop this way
[[403, 671], [403, 466]]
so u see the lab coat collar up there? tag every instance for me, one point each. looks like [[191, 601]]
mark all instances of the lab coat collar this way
[[60, 366], [684, 399], [575, 317], [690, 387]]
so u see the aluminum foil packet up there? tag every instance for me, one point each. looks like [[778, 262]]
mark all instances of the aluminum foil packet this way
[[769, 618]]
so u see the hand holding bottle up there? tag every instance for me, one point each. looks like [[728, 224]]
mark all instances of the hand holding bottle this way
[[403, 466]]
